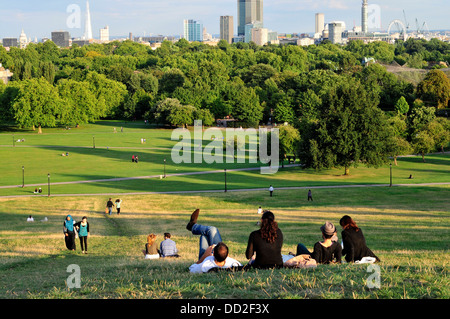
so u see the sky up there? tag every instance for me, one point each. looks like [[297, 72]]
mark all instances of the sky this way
[[153, 17]]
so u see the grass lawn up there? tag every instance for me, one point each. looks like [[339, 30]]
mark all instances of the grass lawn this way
[[406, 226], [409, 236]]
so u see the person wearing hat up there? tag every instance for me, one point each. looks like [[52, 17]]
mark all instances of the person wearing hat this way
[[264, 245], [326, 251]]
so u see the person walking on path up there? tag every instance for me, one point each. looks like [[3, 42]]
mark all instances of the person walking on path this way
[[309, 195], [109, 206], [83, 232], [69, 232]]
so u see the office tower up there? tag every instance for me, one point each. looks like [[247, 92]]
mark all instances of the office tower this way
[[88, 25], [249, 11], [61, 38], [104, 34], [193, 30], [226, 28], [10, 42], [364, 17], [260, 36], [320, 23], [248, 30], [335, 30]]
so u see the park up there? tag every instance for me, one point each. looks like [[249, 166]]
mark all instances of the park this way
[[406, 223]]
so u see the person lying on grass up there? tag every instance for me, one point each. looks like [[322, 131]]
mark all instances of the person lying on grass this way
[[213, 253]]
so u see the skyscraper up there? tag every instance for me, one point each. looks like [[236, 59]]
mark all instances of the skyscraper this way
[[320, 23], [249, 11], [104, 34], [226, 28], [88, 25], [364, 17], [61, 38], [193, 30]]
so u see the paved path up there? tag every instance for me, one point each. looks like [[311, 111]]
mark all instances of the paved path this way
[[229, 191], [144, 177]]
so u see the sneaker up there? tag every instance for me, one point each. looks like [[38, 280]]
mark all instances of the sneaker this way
[[193, 220]]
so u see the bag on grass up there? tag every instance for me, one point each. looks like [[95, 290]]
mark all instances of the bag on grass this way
[[300, 261]]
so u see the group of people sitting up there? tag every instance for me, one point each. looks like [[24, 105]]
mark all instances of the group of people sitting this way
[[167, 248], [265, 244]]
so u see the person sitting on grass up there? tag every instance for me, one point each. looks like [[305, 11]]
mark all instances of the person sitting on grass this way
[[168, 248], [355, 247], [326, 251], [213, 253], [264, 245], [151, 250]]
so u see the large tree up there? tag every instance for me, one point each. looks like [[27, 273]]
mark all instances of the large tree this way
[[434, 89], [349, 130]]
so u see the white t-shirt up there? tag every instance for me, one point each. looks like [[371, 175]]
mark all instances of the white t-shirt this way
[[209, 263]]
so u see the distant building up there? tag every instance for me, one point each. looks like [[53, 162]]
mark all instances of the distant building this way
[[320, 23], [23, 41], [248, 30], [260, 36], [10, 42], [335, 29], [5, 74], [226, 28], [248, 12], [80, 42], [155, 39], [104, 34], [61, 38], [88, 24], [193, 30]]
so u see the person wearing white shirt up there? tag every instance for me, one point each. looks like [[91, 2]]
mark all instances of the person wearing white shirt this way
[[215, 256]]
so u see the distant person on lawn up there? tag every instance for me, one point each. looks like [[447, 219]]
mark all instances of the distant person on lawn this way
[[83, 233], [264, 245], [118, 203], [69, 232], [326, 251], [168, 248], [355, 247], [213, 253], [109, 206]]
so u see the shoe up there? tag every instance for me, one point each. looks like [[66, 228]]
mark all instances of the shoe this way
[[193, 220]]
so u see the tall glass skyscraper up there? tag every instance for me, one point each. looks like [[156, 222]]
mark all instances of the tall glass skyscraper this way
[[193, 30], [249, 11]]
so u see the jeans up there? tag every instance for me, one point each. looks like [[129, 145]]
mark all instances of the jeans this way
[[302, 250], [209, 235]]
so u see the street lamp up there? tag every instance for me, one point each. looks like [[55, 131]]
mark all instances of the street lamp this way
[[390, 169], [225, 180], [23, 176], [93, 141], [164, 168], [48, 175]]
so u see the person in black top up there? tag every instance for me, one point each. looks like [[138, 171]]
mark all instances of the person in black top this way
[[109, 206], [266, 243], [355, 247], [326, 251]]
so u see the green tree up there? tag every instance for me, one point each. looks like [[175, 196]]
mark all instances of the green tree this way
[[36, 104], [402, 106], [181, 115], [350, 130], [289, 137], [434, 89]]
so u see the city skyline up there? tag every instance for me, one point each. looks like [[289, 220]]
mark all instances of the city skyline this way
[[39, 19]]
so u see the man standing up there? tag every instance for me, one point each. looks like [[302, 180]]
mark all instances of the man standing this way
[[309, 195], [271, 190]]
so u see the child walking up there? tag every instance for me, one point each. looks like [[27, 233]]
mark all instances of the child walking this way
[[83, 232]]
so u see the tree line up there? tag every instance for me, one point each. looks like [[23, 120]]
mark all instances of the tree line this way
[[342, 112]]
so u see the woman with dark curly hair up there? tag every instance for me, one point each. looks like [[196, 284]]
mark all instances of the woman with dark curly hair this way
[[264, 245]]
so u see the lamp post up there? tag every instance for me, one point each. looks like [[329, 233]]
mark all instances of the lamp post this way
[[93, 141], [23, 176], [164, 168], [390, 169], [225, 180], [48, 175], [14, 141]]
